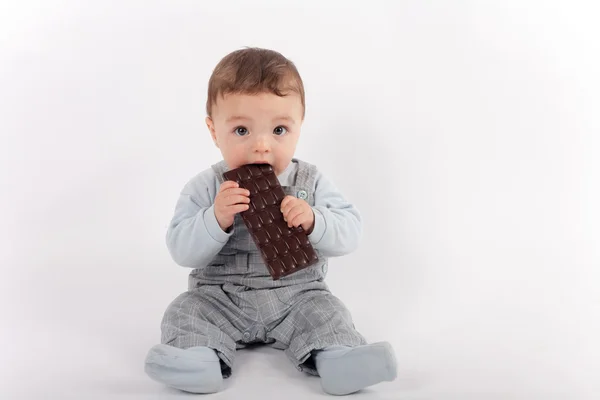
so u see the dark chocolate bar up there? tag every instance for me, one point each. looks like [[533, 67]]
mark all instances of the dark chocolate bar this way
[[284, 250]]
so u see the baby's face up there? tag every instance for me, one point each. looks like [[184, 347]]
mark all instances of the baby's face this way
[[261, 128]]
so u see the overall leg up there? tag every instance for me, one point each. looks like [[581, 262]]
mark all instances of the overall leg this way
[[197, 342], [321, 339]]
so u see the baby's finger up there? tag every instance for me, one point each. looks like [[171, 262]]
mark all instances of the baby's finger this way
[[236, 199], [236, 208], [287, 203], [293, 212], [235, 192], [298, 220], [228, 185]]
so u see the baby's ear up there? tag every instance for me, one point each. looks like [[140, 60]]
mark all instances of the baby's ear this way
[[211, 128]]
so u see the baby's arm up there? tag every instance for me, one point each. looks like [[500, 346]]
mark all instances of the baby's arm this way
[[194, 236], [338, 224]]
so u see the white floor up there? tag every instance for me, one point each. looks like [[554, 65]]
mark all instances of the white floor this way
[[59, 342], [69, 372], [93, 347], [262, 373]]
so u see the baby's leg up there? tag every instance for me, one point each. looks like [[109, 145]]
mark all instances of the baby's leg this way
[[324, 342], [197, 343]]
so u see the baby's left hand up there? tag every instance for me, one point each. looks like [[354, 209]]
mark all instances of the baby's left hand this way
[[297, 212]]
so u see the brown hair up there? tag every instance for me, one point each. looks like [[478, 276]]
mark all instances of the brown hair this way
[[253, 71]]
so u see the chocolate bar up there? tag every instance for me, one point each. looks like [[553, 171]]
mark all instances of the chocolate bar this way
[[284, 250]]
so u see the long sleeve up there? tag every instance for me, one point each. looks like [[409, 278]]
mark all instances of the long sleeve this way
[[338, 224], [194, 236]]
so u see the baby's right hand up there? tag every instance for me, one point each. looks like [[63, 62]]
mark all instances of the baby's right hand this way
[[230, 200]]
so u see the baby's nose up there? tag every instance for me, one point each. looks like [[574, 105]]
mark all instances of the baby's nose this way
[[261, 144]]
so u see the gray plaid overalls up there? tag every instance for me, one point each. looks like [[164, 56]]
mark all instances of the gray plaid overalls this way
[[234, 301]]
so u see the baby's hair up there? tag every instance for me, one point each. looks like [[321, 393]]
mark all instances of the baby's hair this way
[[252, 71]]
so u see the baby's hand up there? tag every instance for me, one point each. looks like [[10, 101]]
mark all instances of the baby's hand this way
[[230, 200], [297, 212]]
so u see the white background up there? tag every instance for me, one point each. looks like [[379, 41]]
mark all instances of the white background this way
[[467, 133]]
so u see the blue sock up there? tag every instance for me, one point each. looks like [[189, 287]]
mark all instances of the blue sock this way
[[195, 370], [346, 370]]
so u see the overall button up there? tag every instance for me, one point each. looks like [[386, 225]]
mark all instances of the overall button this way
[[246, 336], [302, 194]]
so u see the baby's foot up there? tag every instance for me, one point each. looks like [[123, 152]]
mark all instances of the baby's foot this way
[[195, 370], [346, 370]]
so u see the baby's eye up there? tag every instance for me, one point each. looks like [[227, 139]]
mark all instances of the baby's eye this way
[[241, 131], [280, 130]]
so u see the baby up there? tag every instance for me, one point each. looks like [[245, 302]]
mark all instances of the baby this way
[[255, 111]]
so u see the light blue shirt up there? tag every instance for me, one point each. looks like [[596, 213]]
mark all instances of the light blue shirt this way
[[194, 236]]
